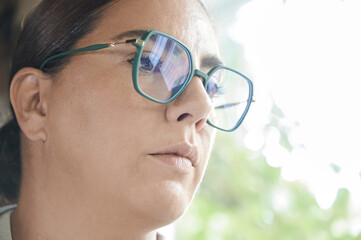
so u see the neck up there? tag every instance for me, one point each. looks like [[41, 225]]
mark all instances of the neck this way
[[54, 211]]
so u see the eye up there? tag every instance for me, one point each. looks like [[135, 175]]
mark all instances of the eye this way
[[214, 88], [145, 64]]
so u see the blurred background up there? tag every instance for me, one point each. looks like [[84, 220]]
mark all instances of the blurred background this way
[[293, 170], [12, 13]]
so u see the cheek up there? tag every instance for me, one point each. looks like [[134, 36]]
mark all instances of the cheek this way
[[92, 121]]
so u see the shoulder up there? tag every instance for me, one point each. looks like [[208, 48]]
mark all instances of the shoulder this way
[[7, 208], [5, 229]]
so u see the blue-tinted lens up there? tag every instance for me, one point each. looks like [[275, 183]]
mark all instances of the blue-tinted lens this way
[[164, 67]]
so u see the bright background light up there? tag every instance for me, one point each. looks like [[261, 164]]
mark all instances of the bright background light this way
[[306, 55]]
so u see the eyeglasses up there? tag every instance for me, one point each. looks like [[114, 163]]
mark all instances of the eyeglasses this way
[[163, 68]]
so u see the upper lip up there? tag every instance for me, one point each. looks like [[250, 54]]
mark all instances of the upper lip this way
[[183, 150]]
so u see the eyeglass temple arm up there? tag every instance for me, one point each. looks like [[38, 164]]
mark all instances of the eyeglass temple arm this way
[[89, 48], [232, 104]]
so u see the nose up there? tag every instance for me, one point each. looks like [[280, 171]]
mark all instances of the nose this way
[[192, 107]]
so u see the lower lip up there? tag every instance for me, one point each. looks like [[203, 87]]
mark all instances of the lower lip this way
[[178, 163]]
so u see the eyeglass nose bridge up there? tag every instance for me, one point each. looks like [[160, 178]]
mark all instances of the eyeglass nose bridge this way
[[201, 74]]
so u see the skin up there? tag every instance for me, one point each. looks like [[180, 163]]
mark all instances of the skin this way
[[87, 134]]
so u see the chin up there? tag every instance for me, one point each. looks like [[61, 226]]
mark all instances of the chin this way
[[170, 204]]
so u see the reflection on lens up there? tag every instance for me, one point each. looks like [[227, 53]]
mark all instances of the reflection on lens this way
[[164, 68], [229, 92]]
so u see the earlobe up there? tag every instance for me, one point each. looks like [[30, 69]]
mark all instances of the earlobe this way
[[28, 91]]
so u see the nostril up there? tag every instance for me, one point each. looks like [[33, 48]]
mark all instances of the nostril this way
[[183, 116], [201, 123]]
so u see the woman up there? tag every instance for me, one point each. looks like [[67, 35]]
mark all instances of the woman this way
[[115, 122]]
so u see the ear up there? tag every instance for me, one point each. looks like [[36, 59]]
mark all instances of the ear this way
[[28, 95]]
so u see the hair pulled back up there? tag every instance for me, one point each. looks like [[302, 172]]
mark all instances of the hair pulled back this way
[[53, 27]]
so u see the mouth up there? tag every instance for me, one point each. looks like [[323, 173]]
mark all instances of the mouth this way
[[181, 156]]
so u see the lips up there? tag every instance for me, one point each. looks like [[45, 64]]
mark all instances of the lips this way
[[182, 150]]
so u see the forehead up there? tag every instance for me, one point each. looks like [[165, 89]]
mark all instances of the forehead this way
[[185, 20]]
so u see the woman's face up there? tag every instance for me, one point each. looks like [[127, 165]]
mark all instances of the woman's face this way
[[116, 149]]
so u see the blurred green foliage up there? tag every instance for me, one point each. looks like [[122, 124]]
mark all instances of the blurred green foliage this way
[[244, 198]]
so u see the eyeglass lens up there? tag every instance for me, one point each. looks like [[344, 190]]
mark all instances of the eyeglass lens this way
[[164, 68], [229, 92]]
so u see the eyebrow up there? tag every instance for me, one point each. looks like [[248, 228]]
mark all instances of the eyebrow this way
[[211, 61], [129, 34]]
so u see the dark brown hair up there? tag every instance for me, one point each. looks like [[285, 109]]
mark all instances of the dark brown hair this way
[[53, 27]]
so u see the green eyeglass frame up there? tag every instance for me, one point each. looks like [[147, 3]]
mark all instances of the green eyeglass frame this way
[[139, 44]]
